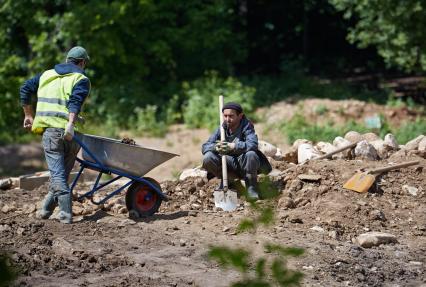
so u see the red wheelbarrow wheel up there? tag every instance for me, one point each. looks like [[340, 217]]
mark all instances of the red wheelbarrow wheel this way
[[142, 200]]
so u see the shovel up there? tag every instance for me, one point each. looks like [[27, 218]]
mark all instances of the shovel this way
[[362, 181], [224, 198], [328, 155]]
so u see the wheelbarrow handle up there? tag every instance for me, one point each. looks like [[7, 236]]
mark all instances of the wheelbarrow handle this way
[[86, 149]]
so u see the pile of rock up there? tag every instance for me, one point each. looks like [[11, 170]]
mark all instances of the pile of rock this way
[[369, 147]]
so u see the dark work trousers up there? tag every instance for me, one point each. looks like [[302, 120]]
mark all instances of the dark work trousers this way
[[238, 166]]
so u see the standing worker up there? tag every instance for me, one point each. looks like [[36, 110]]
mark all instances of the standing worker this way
[[243, 158], [60, 95]]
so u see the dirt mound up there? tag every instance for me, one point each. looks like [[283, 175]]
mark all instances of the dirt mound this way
[[326, 110]]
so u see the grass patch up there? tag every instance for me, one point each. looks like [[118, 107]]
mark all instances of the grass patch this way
[[410, 130], [299, 128]]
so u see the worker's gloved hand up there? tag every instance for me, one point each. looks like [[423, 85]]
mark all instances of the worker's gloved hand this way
[[224, 147], [69, 131]]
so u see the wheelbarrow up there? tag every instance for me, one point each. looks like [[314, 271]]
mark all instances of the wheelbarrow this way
[[109, 156]]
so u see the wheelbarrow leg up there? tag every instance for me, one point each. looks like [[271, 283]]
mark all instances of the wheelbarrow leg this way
[[74, 183]]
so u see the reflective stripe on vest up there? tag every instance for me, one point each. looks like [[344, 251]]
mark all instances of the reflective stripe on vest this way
[[52, 100]]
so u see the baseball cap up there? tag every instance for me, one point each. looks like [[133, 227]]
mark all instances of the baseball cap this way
[[78, 52]]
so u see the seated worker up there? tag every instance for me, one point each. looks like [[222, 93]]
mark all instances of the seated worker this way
[[243, 158]]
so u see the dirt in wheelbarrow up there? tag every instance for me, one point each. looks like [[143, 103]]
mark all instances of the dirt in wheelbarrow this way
[[106, 248]]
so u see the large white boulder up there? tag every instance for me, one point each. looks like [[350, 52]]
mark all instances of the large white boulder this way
[[325, 147], [353, 136], [422, 145], [369, 137], [267, 148], [341, 142], [298, 142], [306, 152], [193, 172], [414, 143], [382, 148], [365, 150]]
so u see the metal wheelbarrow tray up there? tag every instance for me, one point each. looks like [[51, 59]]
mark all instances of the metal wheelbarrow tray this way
[[110, 156]]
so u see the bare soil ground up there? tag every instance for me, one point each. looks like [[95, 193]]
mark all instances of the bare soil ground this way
[[106, 248]]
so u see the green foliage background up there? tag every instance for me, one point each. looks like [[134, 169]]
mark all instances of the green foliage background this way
[[149, 58]]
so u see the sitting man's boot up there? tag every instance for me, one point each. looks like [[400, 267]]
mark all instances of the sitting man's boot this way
[[251, 185], [65, 208], [47, 207]]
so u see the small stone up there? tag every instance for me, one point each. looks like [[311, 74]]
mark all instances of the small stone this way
[[290, 155], [377, 215], [193, 198], [182, 242], [333, 234], [29, 208], [309, 267], [184, 207], [8, 208], [286, 202], [226, 229], [410, 189], [371, 239], [296, 220], [4, 227], [20, 231], [309, 177], [295, 185], [317, 228], [200, 182], [6, 183], [192, 213]]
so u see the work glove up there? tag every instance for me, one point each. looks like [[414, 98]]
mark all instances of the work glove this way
[[224, 147], [69, 131]]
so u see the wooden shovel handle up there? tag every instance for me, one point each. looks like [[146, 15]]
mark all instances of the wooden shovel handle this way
[[396, 166], [338, 150], [222, 138]]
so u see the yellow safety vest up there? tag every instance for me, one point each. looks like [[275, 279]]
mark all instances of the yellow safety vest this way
[[53, 94]]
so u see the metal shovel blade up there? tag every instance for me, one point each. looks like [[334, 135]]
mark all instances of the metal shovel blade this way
[[360, 182], [228, 200]]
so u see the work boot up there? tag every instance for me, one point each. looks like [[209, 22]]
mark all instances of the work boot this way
[[65, 208], [47, 207], [251, 185]]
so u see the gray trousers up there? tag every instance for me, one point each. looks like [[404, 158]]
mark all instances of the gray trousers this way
[[238, 166], [60, 157]]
